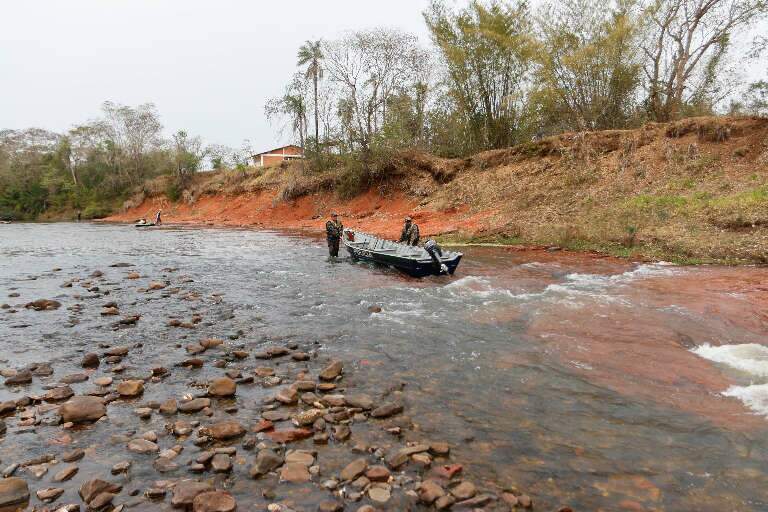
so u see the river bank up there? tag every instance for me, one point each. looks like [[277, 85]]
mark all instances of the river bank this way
[[693, 191]]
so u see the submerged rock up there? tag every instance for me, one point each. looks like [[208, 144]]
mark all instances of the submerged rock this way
[[214, 501], [332, 371], [266, 461], [81, 409], [222, 387], [43, 305], [13, 491], [130, 388], [185, 492]]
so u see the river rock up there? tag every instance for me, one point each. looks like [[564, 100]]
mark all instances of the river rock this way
[[360, 401], [143, 446], [377, 474], [13, 491], [82, 409], [289, 436], [464, 491], [103, 381], [308, 417], [266, 461], [299, 457], [73, 455], [65, 474], [58, 394], [7, 407], [92, 488], [121, 467], [130, 388], [330, 506], [164, 465], [222, 387], [294, 473], [43, 305], [379, 493], [194, 405], [354, 469], [110, 311], [226, 430], [429, 491], [169, 407], [22, 377], [90, 360], [387, 410], [211, 343], [287, 396], [214, 501], [444, 502], [185, 492], [74, 378], [332, 371], [49, 493], [221, 463]]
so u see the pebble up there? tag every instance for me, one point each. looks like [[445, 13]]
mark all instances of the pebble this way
[[65, 474]]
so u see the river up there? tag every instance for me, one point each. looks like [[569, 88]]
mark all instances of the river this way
[[584, 381]]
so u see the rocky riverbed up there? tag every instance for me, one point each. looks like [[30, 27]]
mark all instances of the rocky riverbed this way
[[141, 359], [275, 428]]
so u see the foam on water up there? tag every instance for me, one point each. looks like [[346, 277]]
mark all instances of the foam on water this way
[[755, 397], [750, 358], [747, 357]]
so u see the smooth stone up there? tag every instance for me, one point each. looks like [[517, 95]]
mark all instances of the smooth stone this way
[[90, 489], [49, 493], [226, 430], [387, 410], [169, 407], [332, 371], [184, 492], [13, 491], [379, 494], [73, 455], [80, 409], [299, 457], [295, 473], [103, 381], [221, 463], [266, 461], [65, 474], [214, 501], [90, 360], [354, 469], [429, 491], [195, 405], [222, 387], [143, 446], [130, 388], [360, 401]]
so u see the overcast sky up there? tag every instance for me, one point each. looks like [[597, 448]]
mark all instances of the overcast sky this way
[[209, 66]]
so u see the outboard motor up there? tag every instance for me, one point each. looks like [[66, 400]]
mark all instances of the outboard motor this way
[[435, 252]]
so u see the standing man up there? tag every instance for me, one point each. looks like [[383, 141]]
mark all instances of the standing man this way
[[410, 234], [158, 221], [333, 230]]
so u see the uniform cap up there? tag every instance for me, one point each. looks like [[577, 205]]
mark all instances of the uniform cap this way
[[407, 218]]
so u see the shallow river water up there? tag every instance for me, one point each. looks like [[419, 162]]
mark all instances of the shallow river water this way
[[584, 381]]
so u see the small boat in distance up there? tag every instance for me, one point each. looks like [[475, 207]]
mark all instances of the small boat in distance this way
[[144, 224], [5, 222], [414, 261]]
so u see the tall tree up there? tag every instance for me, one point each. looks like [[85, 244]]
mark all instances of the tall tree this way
[[489, 52], [685, 45], [311, 55], [590, 70]]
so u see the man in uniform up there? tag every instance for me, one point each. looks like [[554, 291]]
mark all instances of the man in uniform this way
[[410, 234], [333, 230]]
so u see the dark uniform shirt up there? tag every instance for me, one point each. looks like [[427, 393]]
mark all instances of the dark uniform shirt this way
[[410, 234], [334, 229]]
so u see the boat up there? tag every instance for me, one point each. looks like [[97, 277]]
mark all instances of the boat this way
[[5, 222], [144, 225], [414, 261]]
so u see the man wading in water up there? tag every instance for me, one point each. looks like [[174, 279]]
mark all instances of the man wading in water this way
[[410, 234], [334, 229]]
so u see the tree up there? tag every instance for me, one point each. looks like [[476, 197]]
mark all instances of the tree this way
[[188, 153], [368, 67], [589, 70], [488, 50], [685, 46], [292, 104], [310, 55]]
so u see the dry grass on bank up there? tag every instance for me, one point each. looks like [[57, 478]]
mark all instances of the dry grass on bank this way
[[694, 190]]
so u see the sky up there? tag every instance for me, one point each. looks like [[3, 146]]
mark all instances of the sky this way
[[208, 66]]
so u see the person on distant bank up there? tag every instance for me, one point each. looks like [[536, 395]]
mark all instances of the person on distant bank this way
[[333, 230], [410, 234], [157, 218]]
